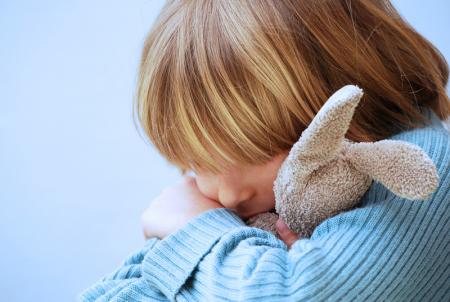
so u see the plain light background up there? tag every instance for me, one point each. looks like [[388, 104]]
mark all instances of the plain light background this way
[[75, 175]]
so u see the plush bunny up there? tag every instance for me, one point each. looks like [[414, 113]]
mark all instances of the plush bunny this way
[[325, 173]]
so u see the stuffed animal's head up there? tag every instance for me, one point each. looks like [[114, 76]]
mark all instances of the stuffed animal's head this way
[[325, 173]]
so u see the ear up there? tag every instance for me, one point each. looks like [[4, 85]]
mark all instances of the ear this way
[[402, 167]]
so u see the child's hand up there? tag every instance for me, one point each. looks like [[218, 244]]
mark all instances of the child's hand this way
[[288, 236], [174, 208]]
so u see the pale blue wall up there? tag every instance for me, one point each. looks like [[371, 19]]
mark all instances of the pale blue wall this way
[[74, 174]]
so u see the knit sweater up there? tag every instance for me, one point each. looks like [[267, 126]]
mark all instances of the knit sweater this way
[[386, 249]]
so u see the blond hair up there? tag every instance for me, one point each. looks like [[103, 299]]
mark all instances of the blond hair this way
[[228, 82]]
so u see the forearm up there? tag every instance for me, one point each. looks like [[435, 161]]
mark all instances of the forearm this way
[[125, 283], [232, 262]]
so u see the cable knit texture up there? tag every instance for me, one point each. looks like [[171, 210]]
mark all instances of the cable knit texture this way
[[386, 249]]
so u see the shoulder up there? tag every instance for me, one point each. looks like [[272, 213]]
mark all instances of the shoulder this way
[[396, 245], [437, 135]]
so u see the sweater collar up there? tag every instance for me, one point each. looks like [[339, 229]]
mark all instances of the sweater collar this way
[[434, 119]]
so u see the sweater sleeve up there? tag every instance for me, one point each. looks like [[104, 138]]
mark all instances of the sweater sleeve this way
[[388, 248], [125, 283]]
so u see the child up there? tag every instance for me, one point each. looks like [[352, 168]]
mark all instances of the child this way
[[225, 89]]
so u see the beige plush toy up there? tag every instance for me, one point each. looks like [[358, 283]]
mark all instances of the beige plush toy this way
[[325, 173]]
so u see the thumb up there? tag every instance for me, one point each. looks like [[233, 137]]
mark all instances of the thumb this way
[[288, 236]]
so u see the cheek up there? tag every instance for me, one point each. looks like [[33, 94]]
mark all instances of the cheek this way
[[264, 185], [265, 202], [269, 195], [265, 179]]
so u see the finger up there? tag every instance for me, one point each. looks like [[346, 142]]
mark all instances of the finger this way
[[288, 236]]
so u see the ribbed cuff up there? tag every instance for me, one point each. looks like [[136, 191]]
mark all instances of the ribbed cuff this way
[[171, 261]]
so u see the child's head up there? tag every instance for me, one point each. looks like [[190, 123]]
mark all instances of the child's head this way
[[226, 82]]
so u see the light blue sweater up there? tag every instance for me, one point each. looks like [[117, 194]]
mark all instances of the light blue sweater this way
[[386, 249]]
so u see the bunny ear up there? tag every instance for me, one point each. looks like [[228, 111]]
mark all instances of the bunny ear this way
[[318, 144], [404, 168], [323, 138]]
